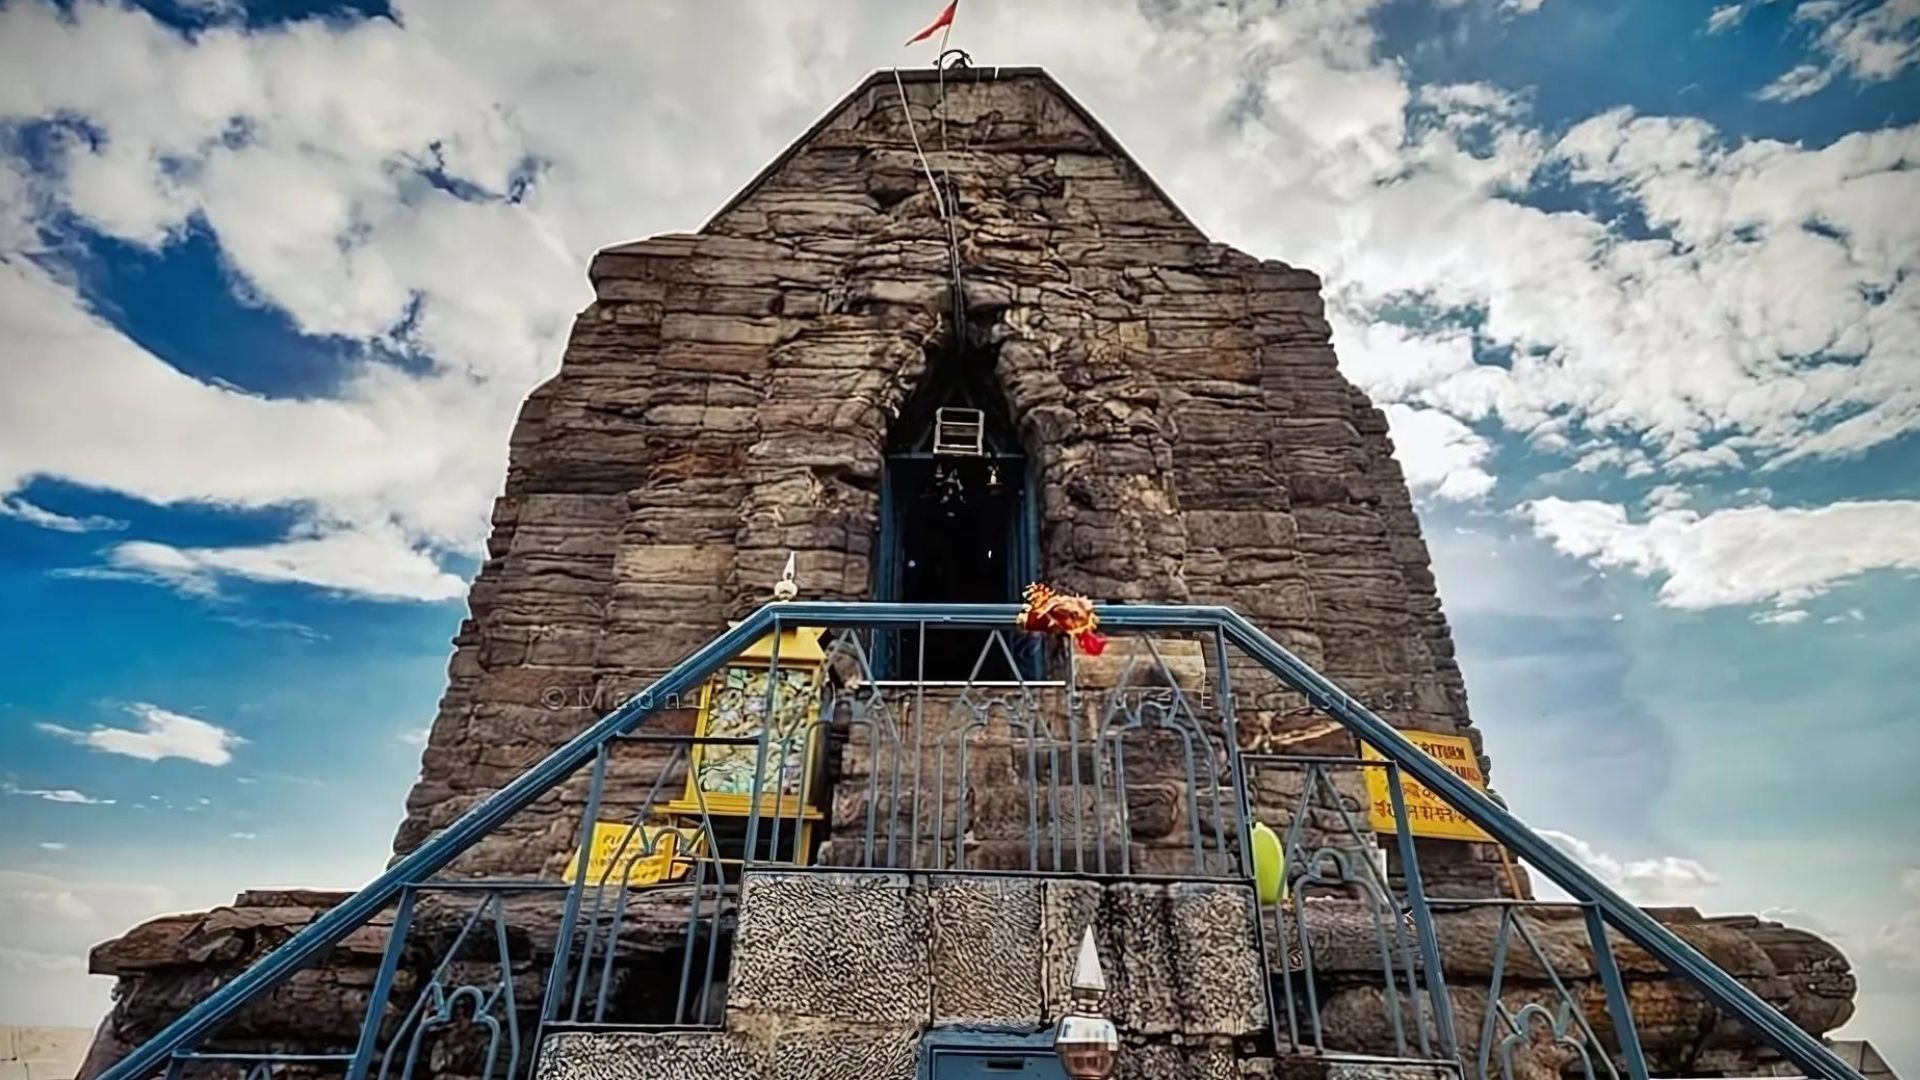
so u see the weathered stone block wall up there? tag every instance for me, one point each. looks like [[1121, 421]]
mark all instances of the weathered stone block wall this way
[[1681, 1033], [1040, 778], [842, 975], [726, 398]]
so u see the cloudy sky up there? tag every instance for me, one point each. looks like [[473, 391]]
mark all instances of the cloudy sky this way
[[1638, 283]]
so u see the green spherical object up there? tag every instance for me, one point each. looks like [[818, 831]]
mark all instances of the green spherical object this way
[[1269, 865]]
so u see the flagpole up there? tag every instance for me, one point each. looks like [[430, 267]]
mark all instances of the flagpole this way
[[946, 32]]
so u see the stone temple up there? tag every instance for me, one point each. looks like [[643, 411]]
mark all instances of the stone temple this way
[[1156, 418]]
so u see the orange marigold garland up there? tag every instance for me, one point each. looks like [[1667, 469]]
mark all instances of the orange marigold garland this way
[[1049, 612]]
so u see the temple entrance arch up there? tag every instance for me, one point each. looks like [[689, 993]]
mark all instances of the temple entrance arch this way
[[959, 519]]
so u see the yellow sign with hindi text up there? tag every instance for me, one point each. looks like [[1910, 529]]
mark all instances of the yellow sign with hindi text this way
[[637, 855], [1427, 813]]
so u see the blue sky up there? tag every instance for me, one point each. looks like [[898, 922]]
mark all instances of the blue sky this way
[[1636, 283]]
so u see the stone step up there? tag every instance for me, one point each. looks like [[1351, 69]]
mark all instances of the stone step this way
[[1361, 1067]]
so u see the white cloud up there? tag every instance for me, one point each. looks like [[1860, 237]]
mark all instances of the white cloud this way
[[244, 451], [1461, 103], [1782, 617], [1598, 456], [1868, 42], [373, 562], [1802, 80], [1667, 497], [34, 962], [22, 510], [1665, 879], [1792, 916], [1746, 555], [1746, 337], [1440, 455], [34, 905], [47, 926], [1897, 942], [1725, 17], [1746, 350], [1872, 42], [1519, 7], [244, 622], [162, 734], [1395, 363], [50, 845], [385, 472], [59, 795], [243, 836], [20, 208]]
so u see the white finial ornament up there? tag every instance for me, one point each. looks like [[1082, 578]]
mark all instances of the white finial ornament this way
[[786, 588], [1088, 978], [1086, 1042]]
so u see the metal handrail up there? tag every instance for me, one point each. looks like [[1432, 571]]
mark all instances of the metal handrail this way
[[1637, 926], [1803, 1049]]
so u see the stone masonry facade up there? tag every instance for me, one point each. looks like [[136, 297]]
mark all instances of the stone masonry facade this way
[[727, 396]]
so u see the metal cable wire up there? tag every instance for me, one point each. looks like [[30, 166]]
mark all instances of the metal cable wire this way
[[941, 191]]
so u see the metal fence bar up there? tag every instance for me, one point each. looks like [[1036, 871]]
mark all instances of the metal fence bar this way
[[754, 818], [1423, 918], [570, 915], [1490, 1023], [1624, 1030], [382, 988]]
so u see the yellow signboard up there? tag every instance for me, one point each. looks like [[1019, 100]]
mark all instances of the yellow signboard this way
[[646, 855], [1428, 814]]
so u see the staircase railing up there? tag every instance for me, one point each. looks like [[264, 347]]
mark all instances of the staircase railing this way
[[397, 888]]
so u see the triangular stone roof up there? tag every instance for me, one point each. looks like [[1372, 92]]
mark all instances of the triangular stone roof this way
[[955, 78]]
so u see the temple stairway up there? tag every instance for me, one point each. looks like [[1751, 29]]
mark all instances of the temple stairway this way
[[867, 962]]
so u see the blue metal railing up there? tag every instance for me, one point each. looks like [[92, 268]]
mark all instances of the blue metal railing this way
[[1719, 988], [400, 885], [1338, 861], [1343, 863]]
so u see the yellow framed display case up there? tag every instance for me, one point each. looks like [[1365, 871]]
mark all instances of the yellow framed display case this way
[[734, 705]]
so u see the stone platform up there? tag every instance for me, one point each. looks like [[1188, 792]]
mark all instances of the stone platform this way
[[841, 963]]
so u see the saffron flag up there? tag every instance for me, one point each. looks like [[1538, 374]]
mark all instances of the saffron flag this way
[[945, 20]]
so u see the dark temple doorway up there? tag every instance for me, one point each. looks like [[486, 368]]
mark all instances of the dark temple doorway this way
[[958, 522]]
